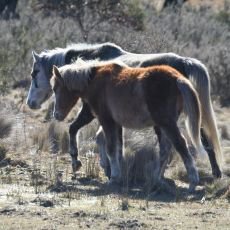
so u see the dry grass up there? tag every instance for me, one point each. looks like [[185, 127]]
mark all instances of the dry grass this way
[[92, 168], [51, 137], [36, 186], [218, 188]]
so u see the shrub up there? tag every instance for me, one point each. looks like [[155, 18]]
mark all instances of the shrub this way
[[89, 14]]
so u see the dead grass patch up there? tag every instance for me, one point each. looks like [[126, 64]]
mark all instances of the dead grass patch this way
[[50, 137]]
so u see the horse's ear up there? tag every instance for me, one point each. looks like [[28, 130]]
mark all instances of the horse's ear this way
[[36, 57], [57, 74]]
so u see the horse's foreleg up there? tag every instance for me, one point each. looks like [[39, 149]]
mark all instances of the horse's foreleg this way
[[173, 133], [83, 118]]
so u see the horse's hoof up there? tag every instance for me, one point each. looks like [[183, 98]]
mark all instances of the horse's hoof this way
[[114, 182], [217, 173], [168, 185], [192, 188], [108, 172], [76, 166], [74, 177]]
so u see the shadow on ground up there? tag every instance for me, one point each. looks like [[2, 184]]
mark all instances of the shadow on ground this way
[[164, 192]]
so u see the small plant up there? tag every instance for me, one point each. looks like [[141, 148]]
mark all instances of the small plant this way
[[92, 168], [227, 194], [224, 15], [5, 128], [136, 14], [102, 201], [3, 152], [64, 143], [8, 175], [225, 133], [54, 137], [124, 204], [127, 166], [40, 139], [49, 112], [151, 176], [36, 180], [51, 138]]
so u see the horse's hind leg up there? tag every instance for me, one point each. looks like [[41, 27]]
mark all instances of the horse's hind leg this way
[[165, 147], [173, 133], [104, 160], [83, 118], [216, 172], [112, 135]]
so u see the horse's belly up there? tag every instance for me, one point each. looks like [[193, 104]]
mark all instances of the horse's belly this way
[[135, 121], [129, 109]]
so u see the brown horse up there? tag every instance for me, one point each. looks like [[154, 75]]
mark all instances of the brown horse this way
[[120, 96]]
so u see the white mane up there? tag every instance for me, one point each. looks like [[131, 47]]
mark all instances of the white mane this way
[[86, 46], [77, 47], [57, 56]]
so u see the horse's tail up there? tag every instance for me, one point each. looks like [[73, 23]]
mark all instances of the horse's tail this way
[[198, 75], [191, 107]]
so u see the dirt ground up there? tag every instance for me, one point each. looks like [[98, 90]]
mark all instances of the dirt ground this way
[[36, 190]]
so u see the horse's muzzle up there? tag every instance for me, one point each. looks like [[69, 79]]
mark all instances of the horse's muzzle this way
[[33, 104], [58, 116]]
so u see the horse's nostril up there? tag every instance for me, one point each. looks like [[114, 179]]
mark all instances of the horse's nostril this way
[[56, 115], [32, 104]]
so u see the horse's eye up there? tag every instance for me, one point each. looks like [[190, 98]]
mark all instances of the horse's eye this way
[[34, 73]]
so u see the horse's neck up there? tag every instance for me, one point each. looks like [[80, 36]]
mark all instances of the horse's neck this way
[[103, 53]]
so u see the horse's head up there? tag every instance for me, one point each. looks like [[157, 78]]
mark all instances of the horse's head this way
[[64, 98], [40, 88]]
